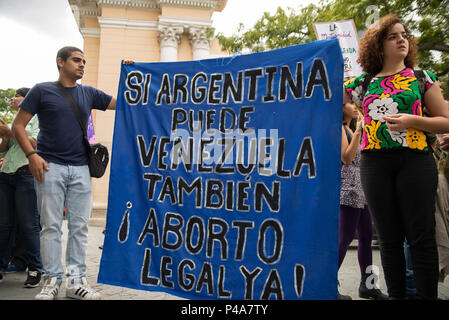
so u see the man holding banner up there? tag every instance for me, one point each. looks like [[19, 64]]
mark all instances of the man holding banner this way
[[225, 176], [59, 166]]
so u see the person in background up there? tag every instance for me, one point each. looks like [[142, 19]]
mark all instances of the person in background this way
[[440, 147], [442, 205], [19, 257], [18, 198], [399, 175], [354, 213]]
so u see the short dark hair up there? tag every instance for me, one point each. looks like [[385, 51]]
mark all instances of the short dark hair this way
[[66, 52], [22, 91]]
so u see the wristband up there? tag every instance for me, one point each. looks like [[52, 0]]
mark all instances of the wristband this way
[[30, 153]]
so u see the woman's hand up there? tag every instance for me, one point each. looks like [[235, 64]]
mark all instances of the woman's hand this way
[[359, 127], [5, 131], [400, 121], [444, 142]]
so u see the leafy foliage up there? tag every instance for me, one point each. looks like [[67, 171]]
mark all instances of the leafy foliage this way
[[6, 113]]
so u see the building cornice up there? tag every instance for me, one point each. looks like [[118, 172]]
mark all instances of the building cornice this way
[[90, 32], [127, 24], [185, 21], [83, 9], [134, 4], [119, 23], [202, 4], [91, 7]]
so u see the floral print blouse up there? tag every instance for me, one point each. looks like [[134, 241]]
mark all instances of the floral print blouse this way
[[351, 192], [397, 93]]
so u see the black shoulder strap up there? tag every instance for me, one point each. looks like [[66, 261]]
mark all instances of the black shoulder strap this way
[[74, 106], [421, 78], [348, 134], [366, 82]]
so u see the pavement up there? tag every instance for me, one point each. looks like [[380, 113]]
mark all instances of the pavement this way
[[12, 286]]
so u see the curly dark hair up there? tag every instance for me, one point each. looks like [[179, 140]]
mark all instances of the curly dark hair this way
[[371, 45]]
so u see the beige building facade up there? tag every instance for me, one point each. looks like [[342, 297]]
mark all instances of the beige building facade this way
[[143, 31]]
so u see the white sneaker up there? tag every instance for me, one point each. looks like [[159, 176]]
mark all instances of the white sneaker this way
[[50, 290], [82, 291]]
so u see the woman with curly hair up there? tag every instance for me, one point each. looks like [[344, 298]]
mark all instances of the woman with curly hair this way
[[399, 176]]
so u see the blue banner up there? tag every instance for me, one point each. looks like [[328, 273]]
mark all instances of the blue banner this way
[[225, 176]]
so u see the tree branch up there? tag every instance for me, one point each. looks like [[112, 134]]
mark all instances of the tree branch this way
[[442, 73], [433, 46]]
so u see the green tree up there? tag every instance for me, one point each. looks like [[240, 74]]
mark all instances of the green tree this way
[[427, 19], [6, 113], [273, 31]]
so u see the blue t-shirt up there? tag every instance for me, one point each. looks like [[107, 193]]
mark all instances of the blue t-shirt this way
[[60, 138]]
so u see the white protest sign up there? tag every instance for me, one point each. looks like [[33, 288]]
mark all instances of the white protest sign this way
[[347, 36]]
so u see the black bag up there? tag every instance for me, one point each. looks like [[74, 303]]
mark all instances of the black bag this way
[[98, 159], [97, 154]]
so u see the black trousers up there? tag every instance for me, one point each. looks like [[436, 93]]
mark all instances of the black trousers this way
[[400, 188], [19, 254]]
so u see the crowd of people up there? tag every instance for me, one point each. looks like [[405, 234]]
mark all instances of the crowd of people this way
[[394, 173]]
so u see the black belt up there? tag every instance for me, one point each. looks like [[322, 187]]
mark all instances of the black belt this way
[[23, 170]]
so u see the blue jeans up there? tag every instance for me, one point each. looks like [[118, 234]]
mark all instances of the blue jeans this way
[[19, 209], [69, 186], [409, 281]]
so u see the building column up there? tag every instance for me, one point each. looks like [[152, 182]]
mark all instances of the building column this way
[[200, 43], [169, 39]]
